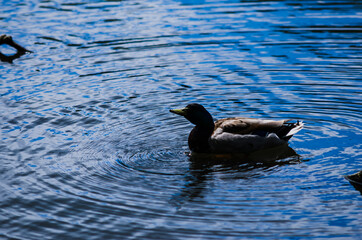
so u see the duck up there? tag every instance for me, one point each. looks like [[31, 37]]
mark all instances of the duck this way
[[234, 134]]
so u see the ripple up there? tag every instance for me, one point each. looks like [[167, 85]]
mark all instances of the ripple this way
[[164, 162], [89, 149]]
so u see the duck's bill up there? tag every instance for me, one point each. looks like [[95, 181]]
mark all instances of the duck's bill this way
[[181, 112]]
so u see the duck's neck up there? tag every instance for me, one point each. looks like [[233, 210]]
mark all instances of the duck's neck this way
[[199, 138]]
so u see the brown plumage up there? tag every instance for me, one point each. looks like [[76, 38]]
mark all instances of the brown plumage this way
[[241, 125]]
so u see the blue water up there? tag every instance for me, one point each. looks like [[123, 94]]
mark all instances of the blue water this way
[[89, 149]]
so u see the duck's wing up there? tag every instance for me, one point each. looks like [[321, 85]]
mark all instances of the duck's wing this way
[[250, 134], [240, 125]]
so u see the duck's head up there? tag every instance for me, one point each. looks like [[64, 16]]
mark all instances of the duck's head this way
[[196, 114]]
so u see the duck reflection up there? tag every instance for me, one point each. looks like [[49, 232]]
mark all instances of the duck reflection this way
[[6, 39], [198, 178]]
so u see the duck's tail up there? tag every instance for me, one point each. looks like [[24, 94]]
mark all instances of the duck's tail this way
[[289, 129], [293, 129]]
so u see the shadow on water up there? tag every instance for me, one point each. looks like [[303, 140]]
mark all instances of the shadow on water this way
[[202, 166]]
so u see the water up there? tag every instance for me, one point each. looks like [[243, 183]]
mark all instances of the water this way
[[88, 147]]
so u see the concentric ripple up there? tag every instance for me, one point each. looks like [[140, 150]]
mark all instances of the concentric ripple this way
[[164, 162], [89, 149]]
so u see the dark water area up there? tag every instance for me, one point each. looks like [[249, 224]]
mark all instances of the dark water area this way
[[89, 150]]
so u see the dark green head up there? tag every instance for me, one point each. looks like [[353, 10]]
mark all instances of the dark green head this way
[[196, 114], [199, 136]]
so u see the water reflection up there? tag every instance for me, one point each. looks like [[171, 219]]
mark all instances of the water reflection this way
[[242, 166], [89, 149]]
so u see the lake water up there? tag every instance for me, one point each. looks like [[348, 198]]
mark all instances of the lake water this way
[[89, 149]]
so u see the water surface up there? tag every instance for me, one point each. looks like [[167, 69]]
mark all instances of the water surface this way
[[89, 150]]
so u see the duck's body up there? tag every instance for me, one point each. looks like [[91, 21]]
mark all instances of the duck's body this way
[[234, 135]]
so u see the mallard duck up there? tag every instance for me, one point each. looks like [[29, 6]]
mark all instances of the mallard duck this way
[[234, 135]]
